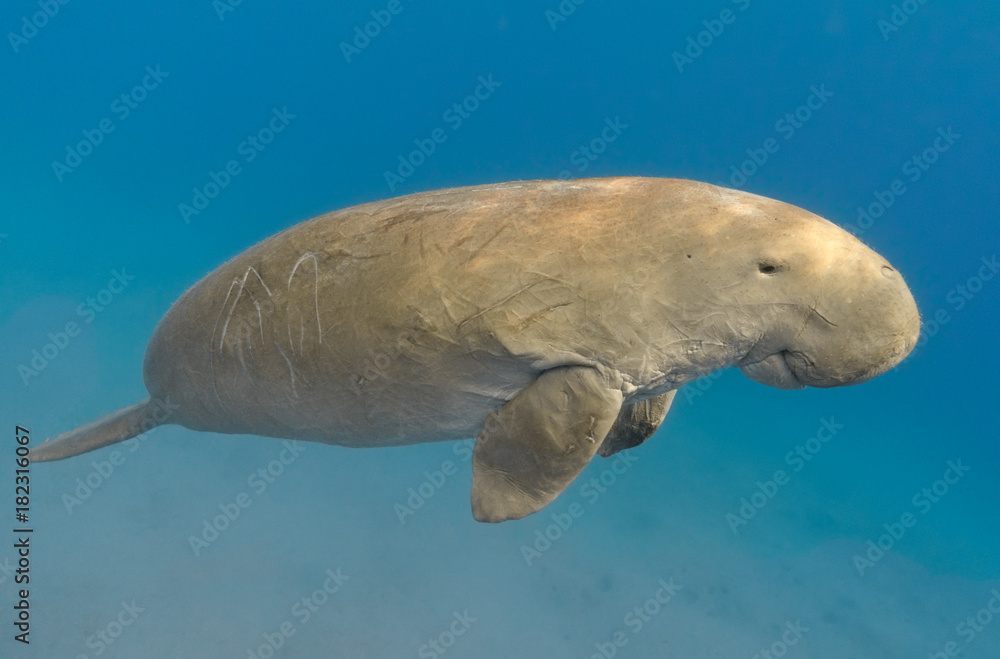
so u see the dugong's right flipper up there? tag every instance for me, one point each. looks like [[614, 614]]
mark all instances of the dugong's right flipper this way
[[116, 427], [539, 441], [636, 423]]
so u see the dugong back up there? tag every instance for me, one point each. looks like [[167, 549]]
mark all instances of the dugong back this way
[[391, 322]]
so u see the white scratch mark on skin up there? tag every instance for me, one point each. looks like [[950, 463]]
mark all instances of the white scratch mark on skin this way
[[226, 324], [222, 339], [259, 278], [242, 284], [312, 257], [260, 319], [239, 355], [291, 370]]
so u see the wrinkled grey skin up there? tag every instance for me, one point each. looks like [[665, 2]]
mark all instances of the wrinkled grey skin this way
[[551, 319]]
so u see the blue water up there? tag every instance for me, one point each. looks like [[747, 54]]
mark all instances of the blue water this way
[[113, 570]]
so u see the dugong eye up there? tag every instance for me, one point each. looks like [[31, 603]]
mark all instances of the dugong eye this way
[[770, 268]]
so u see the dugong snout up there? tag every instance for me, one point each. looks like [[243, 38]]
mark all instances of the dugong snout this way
[[864, 323], [882, 328]]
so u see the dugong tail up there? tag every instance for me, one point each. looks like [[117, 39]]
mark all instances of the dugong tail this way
[[116, 427]]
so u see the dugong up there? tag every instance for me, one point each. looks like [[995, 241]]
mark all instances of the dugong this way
[[551, 320]]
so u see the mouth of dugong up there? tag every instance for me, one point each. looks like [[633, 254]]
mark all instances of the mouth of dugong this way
[[774, 371], [789, 369]]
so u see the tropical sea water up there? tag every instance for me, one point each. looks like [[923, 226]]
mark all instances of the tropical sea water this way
[[854, 522]]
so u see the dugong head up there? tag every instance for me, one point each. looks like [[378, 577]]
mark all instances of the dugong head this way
[[825, 310]]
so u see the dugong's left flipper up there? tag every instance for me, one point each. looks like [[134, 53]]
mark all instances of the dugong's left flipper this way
[[636, 423], [539, 441]]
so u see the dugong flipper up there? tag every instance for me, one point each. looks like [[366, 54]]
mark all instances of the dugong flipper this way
[[542, 439], [539, 441], [636, 423]]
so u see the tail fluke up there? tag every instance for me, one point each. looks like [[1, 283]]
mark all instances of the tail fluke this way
[[116, 427]]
